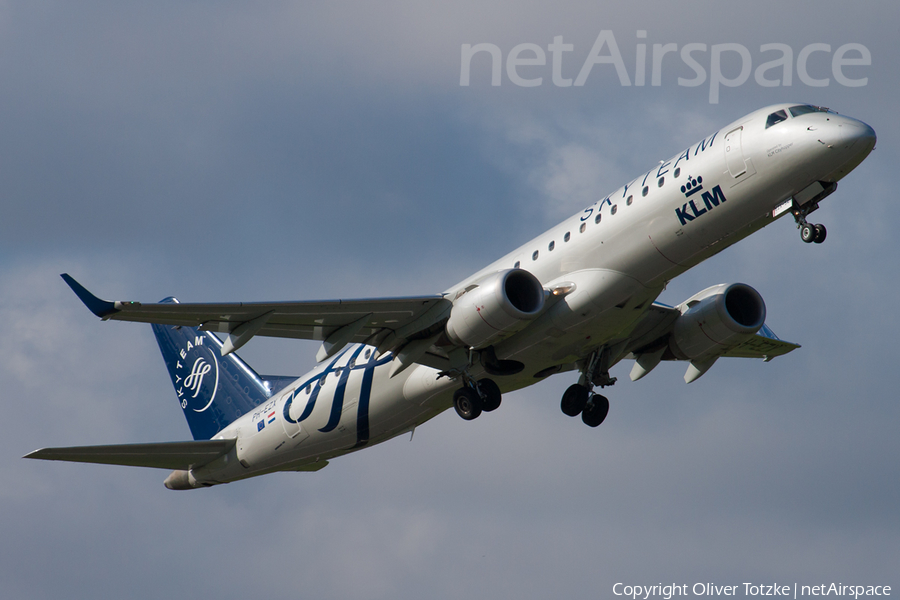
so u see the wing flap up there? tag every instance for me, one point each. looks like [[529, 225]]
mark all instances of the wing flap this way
[[162, 455], [765, 345]]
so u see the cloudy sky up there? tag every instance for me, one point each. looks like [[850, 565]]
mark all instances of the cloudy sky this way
[[274, 151]]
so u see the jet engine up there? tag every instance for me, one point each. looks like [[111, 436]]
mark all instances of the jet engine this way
[[717, 319], [495, 308]]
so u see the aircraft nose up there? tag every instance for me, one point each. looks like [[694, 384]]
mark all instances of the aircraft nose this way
[[852, 140], [860, 136], [857, 141]]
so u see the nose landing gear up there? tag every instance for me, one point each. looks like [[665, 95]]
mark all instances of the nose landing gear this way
[[812, 233]]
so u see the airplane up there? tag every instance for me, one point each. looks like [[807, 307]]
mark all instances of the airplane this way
[[580, 298]]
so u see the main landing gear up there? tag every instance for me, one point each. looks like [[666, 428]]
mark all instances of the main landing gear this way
[[483, 395], [580, 399], [475, 397]]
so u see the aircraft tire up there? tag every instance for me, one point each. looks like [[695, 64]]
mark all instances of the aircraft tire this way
[[596, 410], [808, 233], [821, 232], [574, 400], [467, 403], [490, 395]]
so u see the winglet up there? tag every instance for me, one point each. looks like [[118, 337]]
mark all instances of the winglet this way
[[101, 308]]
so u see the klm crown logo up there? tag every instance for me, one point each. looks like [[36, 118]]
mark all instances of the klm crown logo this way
[[689, 210], [692, 186]]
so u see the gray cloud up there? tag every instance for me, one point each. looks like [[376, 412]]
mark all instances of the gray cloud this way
[[237, 152]]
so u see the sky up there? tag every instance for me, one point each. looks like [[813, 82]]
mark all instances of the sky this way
[[236, 151]]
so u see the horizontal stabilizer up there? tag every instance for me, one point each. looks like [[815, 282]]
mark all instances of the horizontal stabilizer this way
[[163, 455]]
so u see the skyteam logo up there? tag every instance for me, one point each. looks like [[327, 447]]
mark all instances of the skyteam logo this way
[[196, 375], [198, 372], [689, 210]]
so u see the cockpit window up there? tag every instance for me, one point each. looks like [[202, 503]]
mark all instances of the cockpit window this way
[[776, 117], [804, 109]]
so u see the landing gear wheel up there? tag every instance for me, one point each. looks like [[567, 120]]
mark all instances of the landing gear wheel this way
[[821, 232], [808, 233], [596, 410], [490, 395], [574, 400], [467, 403]]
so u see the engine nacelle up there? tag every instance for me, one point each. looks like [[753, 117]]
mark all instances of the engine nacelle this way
[[501, 304], [716, 319]]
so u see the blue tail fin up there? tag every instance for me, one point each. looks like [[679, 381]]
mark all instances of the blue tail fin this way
[[213, 390]]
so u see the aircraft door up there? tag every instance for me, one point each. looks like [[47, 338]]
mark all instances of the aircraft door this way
[[734, 156], [739, 166], [296, 401]]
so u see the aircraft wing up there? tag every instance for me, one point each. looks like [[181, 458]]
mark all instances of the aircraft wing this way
[[765, 345], [387, 323], [181, 456], [657, 323]]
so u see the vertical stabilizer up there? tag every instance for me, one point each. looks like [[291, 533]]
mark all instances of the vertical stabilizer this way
[[213, 390]]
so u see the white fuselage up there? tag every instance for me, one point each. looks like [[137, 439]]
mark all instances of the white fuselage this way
[[619, 253]]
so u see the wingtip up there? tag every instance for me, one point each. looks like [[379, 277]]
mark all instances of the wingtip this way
[[101, 308]]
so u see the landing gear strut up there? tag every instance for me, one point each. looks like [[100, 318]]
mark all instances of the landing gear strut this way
[[580, 399], [808, 232]]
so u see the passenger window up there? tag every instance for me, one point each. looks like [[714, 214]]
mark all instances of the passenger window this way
[[677, 172], [661, 181], [583, 227], [630, 200], [614, 208], [597, 218], [776, 117], [551, 246], [645, 190], [516, 266], [567, 236], [535, 255]]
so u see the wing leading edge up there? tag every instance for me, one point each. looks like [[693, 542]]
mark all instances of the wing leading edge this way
[[387, 323]]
